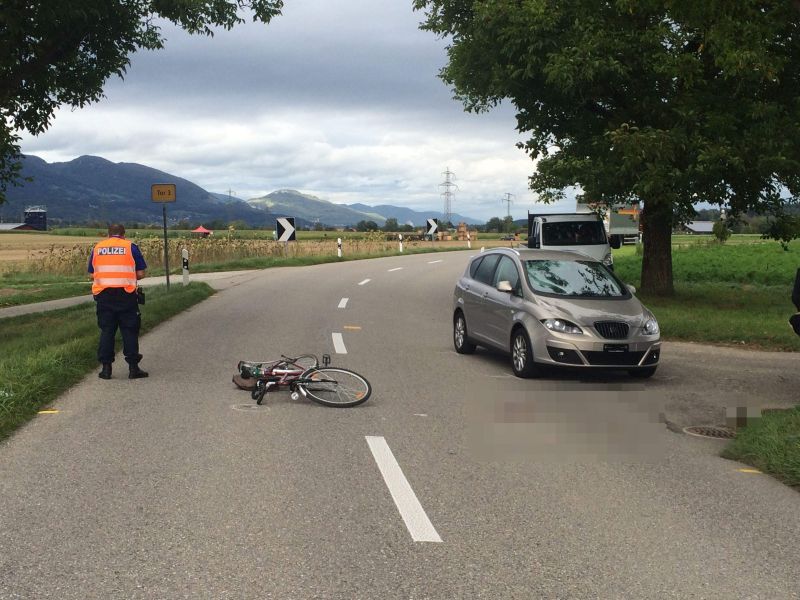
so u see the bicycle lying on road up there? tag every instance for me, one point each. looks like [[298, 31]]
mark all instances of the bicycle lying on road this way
[[330, 386]]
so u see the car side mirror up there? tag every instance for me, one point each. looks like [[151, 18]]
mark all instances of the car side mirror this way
[[615, 241], [504, 286], [631, 289]]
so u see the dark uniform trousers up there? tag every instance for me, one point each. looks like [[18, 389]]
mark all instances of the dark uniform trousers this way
[[118, 308]]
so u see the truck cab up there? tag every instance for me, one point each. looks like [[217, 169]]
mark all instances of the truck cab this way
[[582, 232]]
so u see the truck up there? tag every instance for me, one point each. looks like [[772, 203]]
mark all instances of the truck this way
[[580, 232], [622, 223]]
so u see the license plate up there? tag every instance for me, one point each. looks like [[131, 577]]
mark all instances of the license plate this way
[[615, 348]]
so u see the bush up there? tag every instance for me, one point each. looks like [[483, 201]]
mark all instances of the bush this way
[[721, 231]]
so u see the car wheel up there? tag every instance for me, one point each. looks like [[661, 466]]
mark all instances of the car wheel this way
[[460, 338], [522, 355], [643, 373]]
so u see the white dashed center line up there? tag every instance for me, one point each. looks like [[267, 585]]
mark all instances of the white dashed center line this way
[[396, 269], [433, 262], [343, 302], [366, 281], [417, 522], [338, 343]]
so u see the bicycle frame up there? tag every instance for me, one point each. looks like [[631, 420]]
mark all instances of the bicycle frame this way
[[277, 374]]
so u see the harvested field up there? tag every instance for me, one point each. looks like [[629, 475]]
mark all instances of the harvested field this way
[[24, 247]]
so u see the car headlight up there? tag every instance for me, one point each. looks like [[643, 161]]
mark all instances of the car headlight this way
[[561, 326], [608, 259], [651, 326]]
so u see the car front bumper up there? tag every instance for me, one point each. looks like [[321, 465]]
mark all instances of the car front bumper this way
[[600, 354]]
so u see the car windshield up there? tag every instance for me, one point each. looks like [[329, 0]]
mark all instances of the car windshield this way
[[573, 278], [573, 233]]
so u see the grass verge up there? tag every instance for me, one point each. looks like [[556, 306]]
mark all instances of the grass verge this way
[[771, 444], [44, 354], [26, 288]]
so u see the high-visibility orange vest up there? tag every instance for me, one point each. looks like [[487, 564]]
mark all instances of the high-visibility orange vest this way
[[113, 264]]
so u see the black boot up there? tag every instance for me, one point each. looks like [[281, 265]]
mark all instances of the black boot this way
[[106, 372], [136, 373]]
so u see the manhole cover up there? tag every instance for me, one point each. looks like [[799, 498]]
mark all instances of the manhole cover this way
[[249, 407], [720, 433]]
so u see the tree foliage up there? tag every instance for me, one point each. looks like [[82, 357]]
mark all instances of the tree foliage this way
[[364, 225], [55, 53], [669, 102], [721, 231]]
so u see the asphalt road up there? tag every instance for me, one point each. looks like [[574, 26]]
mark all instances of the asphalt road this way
[[177, 486]]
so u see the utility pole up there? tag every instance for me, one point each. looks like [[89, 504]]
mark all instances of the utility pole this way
[[508, 200], [448, 193], [229, 207]]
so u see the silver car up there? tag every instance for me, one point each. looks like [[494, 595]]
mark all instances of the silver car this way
[[553, 308]]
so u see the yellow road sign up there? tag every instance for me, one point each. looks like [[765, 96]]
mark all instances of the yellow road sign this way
[[162, 192]]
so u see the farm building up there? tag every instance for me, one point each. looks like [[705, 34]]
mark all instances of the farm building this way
[[36, 216], [16, 227], [35, 220], [699, 227]]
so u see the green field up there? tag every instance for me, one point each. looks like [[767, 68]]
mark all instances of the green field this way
[[735, 294]]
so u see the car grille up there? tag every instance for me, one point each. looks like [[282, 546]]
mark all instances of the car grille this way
[[612, 330]]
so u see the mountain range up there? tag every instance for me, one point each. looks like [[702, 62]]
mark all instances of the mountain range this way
[[90, 188]]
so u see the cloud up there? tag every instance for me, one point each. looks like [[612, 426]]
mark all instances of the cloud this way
[[335, 98]]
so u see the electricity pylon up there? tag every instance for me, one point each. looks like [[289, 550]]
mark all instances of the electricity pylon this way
[[448, 194]]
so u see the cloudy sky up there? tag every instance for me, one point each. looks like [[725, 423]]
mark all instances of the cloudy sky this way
[[336, 98]]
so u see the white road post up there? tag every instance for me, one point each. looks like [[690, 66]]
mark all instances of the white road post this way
[[400, 237], [185, 257], [339, 247], [469, 242]]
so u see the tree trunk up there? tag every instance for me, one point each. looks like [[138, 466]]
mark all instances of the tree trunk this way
[[657, 241]]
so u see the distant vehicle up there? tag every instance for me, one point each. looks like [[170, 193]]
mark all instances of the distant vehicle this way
[[553, 308], [507, 238], [581, 232], [622, 224]]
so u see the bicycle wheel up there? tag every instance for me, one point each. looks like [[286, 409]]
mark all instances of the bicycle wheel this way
[[333, 386], [307, 361]]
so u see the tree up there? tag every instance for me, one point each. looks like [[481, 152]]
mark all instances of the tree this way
[[391, 225], [495, 224], [669, 103], [62, 53], [721, 231], [367, 226]]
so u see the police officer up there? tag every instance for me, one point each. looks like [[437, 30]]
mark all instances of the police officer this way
[[116, 264]]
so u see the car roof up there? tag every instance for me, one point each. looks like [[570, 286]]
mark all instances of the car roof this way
[[537, 254]]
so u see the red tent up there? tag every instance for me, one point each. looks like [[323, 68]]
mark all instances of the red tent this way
[[202, 231]]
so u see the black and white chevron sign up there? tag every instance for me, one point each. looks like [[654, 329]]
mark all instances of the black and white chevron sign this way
[[433, 225], [285, 229]]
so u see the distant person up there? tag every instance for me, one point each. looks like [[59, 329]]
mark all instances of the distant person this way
[[116, 264]]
